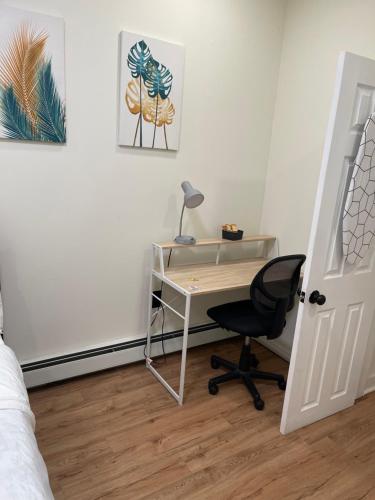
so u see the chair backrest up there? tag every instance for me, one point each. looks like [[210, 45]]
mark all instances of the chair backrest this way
[[273, 289]]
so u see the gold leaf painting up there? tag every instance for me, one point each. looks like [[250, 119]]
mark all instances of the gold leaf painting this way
[[160, 113]]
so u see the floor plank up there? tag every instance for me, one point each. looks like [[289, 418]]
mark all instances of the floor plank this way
[[118, 434]]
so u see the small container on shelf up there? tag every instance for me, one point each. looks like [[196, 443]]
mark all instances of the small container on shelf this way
[[231, 232]]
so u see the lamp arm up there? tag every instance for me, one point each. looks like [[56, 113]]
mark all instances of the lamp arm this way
[[182, 214]]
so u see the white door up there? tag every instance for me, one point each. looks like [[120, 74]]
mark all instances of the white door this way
[[367, 381], [330, 339]]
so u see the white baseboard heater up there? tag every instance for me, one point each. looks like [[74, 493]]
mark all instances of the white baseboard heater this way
[[101, 358]]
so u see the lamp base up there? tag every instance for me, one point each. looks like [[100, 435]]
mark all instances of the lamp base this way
[[183, 239]]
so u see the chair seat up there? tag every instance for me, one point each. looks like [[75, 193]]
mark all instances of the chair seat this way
[[241, 317]]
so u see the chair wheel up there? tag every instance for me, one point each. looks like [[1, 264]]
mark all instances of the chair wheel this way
[[282, 384], [213, 388], [259, 404], [214, 363]]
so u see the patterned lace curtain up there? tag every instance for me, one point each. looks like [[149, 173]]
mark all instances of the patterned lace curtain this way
[[359, 212]]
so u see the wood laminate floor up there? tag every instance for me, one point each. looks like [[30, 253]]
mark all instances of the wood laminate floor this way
[[118, 434]]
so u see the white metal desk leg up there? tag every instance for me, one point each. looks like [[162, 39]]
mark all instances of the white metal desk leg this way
[[149, 316], [184, 349]]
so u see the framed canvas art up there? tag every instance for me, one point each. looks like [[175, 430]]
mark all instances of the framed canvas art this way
[[151, 84], [32, 76]]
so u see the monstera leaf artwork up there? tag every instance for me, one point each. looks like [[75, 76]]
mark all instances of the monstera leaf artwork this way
[[139, 103], [31, 101], [159, 80], [152, 93], [161, 114], [159, 85], [138, 58]]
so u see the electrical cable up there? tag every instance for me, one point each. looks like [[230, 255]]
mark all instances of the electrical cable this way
[[160, 307], [162, 334]]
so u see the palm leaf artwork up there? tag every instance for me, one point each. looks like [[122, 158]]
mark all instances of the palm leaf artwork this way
[[51, 112], [138, 58], [13, 118], [19, 65], [30, 105], [159, 84]]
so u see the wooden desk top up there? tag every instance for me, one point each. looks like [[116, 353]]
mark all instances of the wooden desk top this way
[[215, 241], [199, 279]]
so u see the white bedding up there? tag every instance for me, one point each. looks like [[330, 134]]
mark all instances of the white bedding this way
[[23, 474]]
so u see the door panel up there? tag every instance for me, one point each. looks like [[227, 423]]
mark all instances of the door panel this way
[[347, 349], [367, 383], [318, 358], [330, 340]]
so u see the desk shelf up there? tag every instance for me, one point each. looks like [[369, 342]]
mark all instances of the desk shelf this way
[[214, 241], [159, 248]]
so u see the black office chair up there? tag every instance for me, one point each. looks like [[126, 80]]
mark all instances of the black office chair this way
[[272, 293]]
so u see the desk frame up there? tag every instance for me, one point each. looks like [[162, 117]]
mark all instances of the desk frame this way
[[158, 254]]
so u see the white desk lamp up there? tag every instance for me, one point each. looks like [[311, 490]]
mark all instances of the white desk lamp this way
[[192, 199]]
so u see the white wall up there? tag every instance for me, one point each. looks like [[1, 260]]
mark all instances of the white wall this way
[[76, 221], [315, 32]]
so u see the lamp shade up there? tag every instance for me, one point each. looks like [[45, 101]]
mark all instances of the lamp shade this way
[[193, 197]]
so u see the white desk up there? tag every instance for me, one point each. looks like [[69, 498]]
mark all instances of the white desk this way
[[198, 279]]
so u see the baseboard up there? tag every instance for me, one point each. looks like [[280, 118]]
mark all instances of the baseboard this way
[[71, 365], [277, 346], [370, 386]]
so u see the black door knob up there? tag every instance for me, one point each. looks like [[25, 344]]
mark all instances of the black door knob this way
[[317, 298]]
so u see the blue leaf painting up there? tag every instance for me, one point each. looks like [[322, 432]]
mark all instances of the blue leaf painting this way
[[13, 119], [50, 110]]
